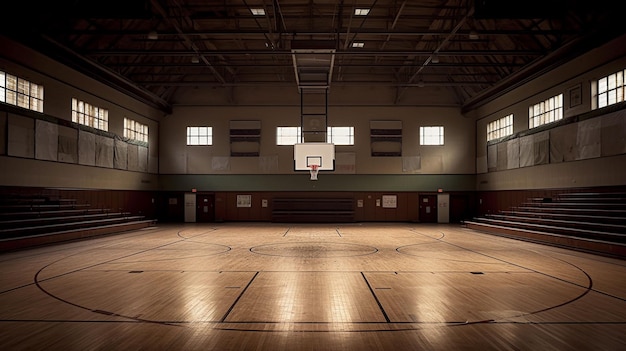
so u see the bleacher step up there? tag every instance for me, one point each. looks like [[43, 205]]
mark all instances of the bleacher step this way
[[41, 229], [16, 243], [574, 219]]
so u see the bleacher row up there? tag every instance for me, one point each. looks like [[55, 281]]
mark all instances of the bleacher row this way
[[32, 220], [593, 222], [313, 210]]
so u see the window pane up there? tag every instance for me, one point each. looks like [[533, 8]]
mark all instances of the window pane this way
[[199, 135], [11, 82], [288, 135], [89, 115], [546, 111], [22, 100], [11, 97], [500, 128], [23, 86], [611, 89], [340, 135], [431, 135], [20, 92], [135, 130]]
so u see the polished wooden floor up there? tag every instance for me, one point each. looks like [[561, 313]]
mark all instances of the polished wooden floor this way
[[269, 286]]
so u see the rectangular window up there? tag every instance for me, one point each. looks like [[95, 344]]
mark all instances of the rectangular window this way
[[611, 89], [89, 115], [288, 135], [199, 135], [340, 135], [547, 111], [20, 92], [135, 130], [432, 135], [500, 128]]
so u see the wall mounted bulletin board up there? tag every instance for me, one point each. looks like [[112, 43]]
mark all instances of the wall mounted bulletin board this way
[[390, 201], [244, 200]]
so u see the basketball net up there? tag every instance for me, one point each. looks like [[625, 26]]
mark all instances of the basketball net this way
[[313, 169]]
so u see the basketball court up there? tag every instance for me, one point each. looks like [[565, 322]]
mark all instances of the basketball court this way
[[273, 286]]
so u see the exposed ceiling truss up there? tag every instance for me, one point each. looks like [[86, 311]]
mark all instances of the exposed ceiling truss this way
[[152, 48]]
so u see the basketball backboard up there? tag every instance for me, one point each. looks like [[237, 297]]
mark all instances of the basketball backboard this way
[[320, 154]]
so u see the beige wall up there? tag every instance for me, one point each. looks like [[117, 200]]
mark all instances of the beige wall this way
[[562, 78], [596, 172], [34, 173], [455, 157], [61, 84], [581, 71], [464, 152]]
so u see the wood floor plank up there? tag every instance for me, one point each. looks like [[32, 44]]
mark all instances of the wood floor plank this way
[[273, 286], [307, 297]]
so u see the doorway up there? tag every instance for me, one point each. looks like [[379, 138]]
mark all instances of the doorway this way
[[428, 208], [205, 207]]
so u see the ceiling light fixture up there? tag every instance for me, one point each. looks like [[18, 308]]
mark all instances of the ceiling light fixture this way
[[358, 44], [258, 11], [153, 35], [435, 58], [361, 12], [473, 35], [195, 59]]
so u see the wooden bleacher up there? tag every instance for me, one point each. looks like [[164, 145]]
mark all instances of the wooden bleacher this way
[[592, 222], [33, 220], [313, 210]]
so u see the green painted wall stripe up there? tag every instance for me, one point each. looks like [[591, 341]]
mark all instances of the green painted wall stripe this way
[[325, 182]]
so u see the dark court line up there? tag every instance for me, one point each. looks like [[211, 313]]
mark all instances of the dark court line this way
[[376, 298], [230, 309]]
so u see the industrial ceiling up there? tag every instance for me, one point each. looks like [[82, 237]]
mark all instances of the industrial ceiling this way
[[152, 48]]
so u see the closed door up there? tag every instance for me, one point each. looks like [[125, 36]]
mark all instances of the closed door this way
[[190, 205], [428, 208], [205, 210], [443, 208]]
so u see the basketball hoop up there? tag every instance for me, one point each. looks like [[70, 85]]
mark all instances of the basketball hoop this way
[[313, 169]]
